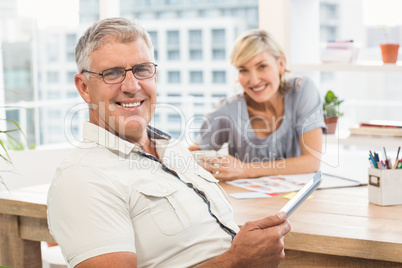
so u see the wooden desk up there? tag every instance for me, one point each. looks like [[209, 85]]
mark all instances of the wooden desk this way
[[23, 224], [336, 228]]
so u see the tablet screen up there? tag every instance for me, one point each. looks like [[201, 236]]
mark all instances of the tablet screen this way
[[302, 194]]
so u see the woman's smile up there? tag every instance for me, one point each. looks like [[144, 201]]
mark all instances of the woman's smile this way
[[258, 89]]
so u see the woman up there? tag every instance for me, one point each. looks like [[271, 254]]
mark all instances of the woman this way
[[274, 126]]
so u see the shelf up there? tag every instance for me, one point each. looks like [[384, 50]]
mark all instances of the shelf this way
[[362, 141], [366, 66]]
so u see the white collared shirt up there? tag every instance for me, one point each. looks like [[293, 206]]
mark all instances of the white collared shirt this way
[[109, 196]]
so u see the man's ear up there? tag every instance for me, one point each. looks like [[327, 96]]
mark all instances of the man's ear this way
[[81, 83]]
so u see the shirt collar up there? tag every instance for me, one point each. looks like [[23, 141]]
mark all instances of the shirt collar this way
[[157, 134], [107, 139]]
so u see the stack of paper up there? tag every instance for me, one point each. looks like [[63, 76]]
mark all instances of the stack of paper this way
[[383, 128], [339, 52]]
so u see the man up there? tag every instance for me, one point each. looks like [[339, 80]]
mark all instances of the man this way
[[124, 198]]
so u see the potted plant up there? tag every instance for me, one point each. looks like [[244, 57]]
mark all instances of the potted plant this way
[[5, 137], [331, 111], [389, 51]]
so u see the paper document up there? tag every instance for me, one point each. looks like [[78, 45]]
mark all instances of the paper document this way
[[290, 183]]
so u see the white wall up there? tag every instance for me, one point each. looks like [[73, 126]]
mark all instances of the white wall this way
[[31, 167], [2, 98]]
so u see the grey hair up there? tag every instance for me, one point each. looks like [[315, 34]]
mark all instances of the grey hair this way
[[105, 31], [254, 42]]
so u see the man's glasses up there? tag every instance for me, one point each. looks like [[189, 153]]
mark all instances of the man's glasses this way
[[117, 75]]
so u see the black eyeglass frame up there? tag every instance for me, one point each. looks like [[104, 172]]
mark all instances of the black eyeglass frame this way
[[125, 72]]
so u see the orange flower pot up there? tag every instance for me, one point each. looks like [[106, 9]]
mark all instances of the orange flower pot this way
[[389, 52], [331, 123]]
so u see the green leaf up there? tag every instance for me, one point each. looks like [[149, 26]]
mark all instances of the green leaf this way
[[6, 158], [14, 144], [331, 105], [330, 97], [2, 182], [16, 124], [11, 140]]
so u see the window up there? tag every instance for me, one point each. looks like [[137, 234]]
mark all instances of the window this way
[[251, 15], [52, 77], [219, 95], [179, 45], [75, 131], [91, 13], [71, 40], [54, 131], [218, 37], [174, 133], [54, 114], [70, 56], [329, 11], [195, 54], [154, 37], [173, 38], [196, 77], [72, 94], [174, 99], [218, 77], [195, 123], [16, 78], [378, 35], [89, 4], [327, 76], [52, 51], [199, 119], [356, 20], [198, 99], [174, 95], [70, 77], [173, 77], [172, 2], [195, 37], [173, 55], [191, 13], [12, 115], [53, 95], [174, 118], [197, 95], [166, 15], [156, 118], [218, 54]]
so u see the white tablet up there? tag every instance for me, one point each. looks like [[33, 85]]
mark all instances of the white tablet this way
[[302, 194]]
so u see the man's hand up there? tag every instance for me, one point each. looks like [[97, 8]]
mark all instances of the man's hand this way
[[258, 244], [262, 239]]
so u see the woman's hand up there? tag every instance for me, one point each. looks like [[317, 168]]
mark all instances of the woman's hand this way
[[226, 167]]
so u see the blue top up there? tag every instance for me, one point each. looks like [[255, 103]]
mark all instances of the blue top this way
[[229, 122]]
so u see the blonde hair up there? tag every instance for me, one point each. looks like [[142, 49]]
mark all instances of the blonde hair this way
[[254, 42]]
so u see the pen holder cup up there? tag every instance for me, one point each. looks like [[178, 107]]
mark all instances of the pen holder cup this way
[[385, 186]]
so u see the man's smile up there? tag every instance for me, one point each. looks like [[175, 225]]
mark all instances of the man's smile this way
[[129, 104]]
